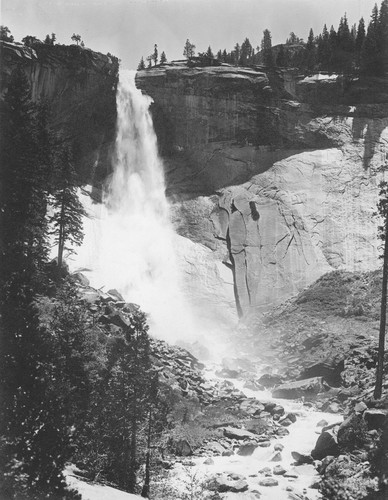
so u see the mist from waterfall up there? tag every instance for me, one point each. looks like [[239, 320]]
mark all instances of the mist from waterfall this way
[[129, 242]]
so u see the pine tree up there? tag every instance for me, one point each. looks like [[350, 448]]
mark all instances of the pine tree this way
[[236, 54], [163, 58], [141, 64], [332, 45], [360, 40], [245, 53], [209, 53], [125, 402], [5, 34], [189, 49], [371, 50], [266, 47], [345, 47], [383, 36], [310, 56], [155, 55], [68, 210]]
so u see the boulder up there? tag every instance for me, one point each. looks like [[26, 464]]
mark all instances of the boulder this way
[[333, 408], [277, 410], [183, 448], [279, 470], [115, 318], [253, 385], [266, 471], [330, 370], [300, 388], [251, 406], [235, 433], [208, 461], [278, 447], [375, 418], [247, 449], [257, 425], [270, 380], [268, 481], [227, 453], [81, 279], [327, 444], [276, 457], [282, 431], [235, 477], [116, 295], [223, 484], [360, 407], [215, 447], [301, 459]]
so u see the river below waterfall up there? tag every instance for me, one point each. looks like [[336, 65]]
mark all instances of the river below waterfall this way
[[296, 480]]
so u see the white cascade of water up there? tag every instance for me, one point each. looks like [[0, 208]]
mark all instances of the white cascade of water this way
[[129, 240]]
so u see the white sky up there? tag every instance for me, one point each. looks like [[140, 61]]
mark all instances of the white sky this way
[[130, 28]]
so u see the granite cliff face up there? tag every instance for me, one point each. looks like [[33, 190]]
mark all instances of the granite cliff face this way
[[80, 86], [274, 177]]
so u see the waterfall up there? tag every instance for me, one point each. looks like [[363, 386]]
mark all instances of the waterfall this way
[[129, 241]]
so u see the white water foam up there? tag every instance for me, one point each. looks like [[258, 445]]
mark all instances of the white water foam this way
[[129, 240]]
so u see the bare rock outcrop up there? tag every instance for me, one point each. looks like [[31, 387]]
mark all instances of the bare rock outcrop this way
[[275, 175]]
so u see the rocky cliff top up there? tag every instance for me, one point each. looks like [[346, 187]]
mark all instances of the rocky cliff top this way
[[80, 86], [218, 126], [76, 60]]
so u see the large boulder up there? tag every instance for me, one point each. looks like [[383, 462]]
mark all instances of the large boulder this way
[[223, 484], [327, 444], [235, 433], [330, 370], [301, 388], [247, 449], [183, 448], [376, 418]]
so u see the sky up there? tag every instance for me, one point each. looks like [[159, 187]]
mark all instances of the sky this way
[[130, 28]]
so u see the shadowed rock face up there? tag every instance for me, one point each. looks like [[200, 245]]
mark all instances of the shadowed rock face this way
[[275, 174], [80, 86]]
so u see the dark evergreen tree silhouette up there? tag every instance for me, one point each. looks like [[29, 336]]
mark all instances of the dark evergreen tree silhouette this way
[[209, 53], [34, 437], [5, 34], [141, 64], [67, 219], [189, 49], [245, 53], [266, 47], [310, 55], [359, 42], [155, 55]]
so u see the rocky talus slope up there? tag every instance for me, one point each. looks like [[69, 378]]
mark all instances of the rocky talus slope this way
[[273, 177]]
